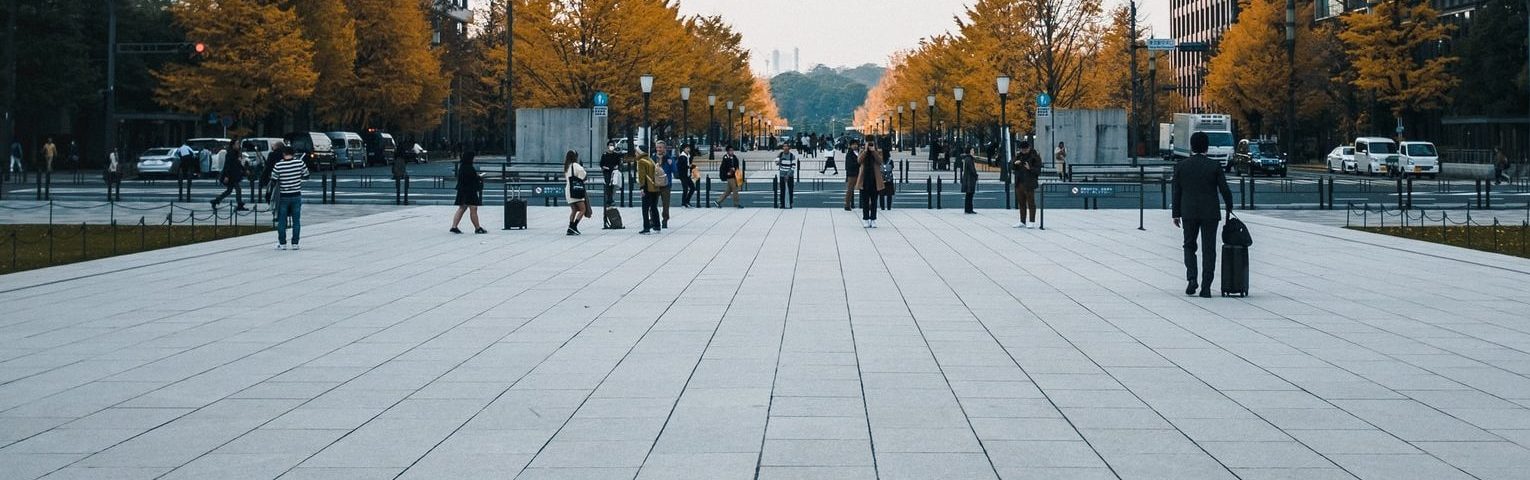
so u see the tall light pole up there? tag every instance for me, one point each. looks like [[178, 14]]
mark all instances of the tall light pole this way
[[929, 126], [510, 79], [1131, 129], [110, 143], [958, 93], [645, 81], [685, 116], [730, 122], [900, 128], [1290, 78], [711, 124], [913, 128], [743, 127], [1003, 83]]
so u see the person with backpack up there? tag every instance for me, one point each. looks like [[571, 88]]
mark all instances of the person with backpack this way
[[610, 167], [729, 173], [870, 182], [288, 176], [574, 191], [1197, 182], [684, 169], [786, 163], [232, 177], [666, 181], [469, 194], [649, 175]]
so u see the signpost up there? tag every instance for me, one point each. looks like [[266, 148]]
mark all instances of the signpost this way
[[1092, 191], [1160, 44]]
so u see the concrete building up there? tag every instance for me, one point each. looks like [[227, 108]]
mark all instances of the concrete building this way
[[1197, 21]]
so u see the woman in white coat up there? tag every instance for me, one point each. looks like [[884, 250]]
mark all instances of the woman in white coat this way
[[574, 192]]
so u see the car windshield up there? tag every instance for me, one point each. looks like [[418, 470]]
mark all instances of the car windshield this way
[[1382, 148], [1265, 150], [1349, 150], [1219, 139], [1420, 150]]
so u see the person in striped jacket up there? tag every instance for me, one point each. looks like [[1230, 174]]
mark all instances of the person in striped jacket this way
[[288, 176]]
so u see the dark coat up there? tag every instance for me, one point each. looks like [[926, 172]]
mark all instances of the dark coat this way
[[969, 174], [468, 179], [1027, 169], [869, 176], [233, 168], [1197, 181], [852, 166]]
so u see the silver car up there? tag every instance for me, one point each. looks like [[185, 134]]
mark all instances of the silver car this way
[[156, 162]]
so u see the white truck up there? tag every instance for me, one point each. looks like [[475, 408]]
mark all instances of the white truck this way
[[1218, 130], [1165, 140]]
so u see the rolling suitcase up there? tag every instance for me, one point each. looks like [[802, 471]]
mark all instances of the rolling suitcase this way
[[515, 214], [612, 218], [1234, 271]]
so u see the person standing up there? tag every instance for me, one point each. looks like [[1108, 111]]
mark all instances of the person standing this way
[[1197, 182], [232, 177], [288, 176], [852, 171], [1062, 162], [469, 194], [889, 181], [49, 151], [684, 169], [666, 181], [574, 191], [728, 171], [828, 162], [610, 167], [1500, 165], [16, 166], [870, 182], [74, 156], [113, 177], [268, 168], [969, 181], [786, 165], [649, 176], [1027, 171], [400, 171]]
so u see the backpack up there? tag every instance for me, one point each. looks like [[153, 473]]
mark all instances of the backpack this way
[[1236, 233]]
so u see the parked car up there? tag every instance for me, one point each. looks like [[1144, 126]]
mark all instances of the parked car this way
[[256, 150], [1372, 154], [156, 162], [1417, 158], [380, 147], [316, 148], [1259, 157], [349, 149], [217, 148], [1341, 159]]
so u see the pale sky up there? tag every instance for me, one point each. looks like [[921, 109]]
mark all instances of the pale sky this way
[[853, 32]]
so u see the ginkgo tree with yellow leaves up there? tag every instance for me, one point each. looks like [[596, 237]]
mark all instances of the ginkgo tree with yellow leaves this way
[[1384, 44], [1248, 77]]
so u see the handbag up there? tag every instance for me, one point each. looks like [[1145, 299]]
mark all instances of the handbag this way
[[1236, 233], [576, 187]]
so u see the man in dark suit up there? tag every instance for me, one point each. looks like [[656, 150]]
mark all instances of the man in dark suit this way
[[1197, 181]]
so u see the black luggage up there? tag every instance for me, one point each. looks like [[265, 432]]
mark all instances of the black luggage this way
[[1234, 271], [612, 218], [515, 213]]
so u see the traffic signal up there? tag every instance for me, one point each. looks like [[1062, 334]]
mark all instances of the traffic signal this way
[[196, 50]]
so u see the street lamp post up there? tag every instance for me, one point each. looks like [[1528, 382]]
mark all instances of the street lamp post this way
[[685, 115], [510, 80], [730, 122], [1003, 84], [900, 128], [646, 81], [743, 127], [958, 93], [711, 124], [929, 126], [913, 112]]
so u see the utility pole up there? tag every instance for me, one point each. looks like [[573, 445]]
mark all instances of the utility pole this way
[[510, 80], [8, 122], [1131, 129], [1290, 135]]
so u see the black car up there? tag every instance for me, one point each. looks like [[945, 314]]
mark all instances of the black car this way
[[380, 147], [1259, 157], [316, 147]]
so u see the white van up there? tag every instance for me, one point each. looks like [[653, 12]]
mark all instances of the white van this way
[[1372, 154], [350, 150], [1418, 158]]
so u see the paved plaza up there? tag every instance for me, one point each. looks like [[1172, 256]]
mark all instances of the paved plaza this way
[[768, 344]]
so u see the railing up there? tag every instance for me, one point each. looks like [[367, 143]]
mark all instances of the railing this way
[[1443, 220], [217, 224]]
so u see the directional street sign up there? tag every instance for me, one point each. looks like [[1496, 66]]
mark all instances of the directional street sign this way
[[1160, 44], [601, 112], [1043, 112], [1092, 191], [1044, 100], [602, 99]]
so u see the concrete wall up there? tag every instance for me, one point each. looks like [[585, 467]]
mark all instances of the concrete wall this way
[[1466, 170], [543, 135], [1092, 136]]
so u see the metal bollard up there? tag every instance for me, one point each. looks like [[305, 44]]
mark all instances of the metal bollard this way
[[1252, 204], [939, 188], [775, 192], [1410, 193], [708, 199], [929, 194]]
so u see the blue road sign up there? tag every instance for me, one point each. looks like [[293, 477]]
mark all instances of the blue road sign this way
[[1044, 100], [547, 191], [601, 99], [1088, 191]]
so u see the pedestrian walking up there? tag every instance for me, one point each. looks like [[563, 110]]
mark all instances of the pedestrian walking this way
[[288, 176], [232, 177], [1197, 182], [828, 162], [666, 181], [731, 176], [49, 151], [685, 169], [889, 182], [1027, 172], [267, 169], [469, 193], [969, 181], [400, 173], [649, 177], [786, 167], [870, 182], [113, 177], [852, 171], [574, 191], [1062, 162], [74, 156], [16, 166], [1500, 166], [610, 169]]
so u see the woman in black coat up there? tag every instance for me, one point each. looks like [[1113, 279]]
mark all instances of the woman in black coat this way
[[469, 193]]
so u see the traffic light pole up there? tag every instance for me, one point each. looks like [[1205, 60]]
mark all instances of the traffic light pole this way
[[510, 80], [110, 141]]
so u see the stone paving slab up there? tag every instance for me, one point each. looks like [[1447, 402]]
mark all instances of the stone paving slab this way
[[767, 344]]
